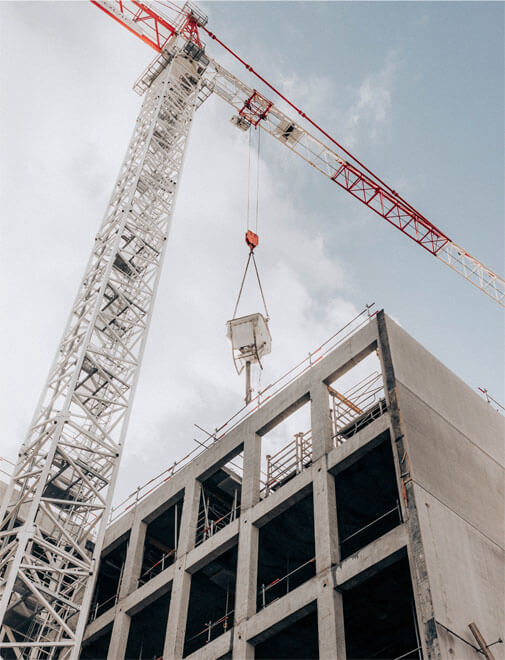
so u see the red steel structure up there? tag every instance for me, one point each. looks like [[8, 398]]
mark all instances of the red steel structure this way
[[349, 173]]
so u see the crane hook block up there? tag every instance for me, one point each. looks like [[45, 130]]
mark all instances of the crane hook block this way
[[251, 239]]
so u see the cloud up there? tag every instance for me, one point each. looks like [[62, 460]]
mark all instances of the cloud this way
[[369, 113]]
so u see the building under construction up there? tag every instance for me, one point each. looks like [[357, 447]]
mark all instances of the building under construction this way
[[376, 532]]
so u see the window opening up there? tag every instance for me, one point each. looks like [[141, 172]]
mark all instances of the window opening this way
[[286, 557], [211, 601], [356, 398], [108, 583], [298, 641], [160, 546], [380, 617], [286, 450], [367, 499], [220, 499], [98, 648], [146, 636]]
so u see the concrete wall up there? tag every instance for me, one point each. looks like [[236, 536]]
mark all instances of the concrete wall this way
[[454, 441]]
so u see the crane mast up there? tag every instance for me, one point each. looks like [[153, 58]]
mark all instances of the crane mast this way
[[55, 512]]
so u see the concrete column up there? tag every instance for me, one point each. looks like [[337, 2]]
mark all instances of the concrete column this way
[[320, 420], [247, 561], [250, 493], [179, 599], [329, 602], [129, 581], [330, 623], [133, 562], [246, 586], [325, 516], [189, 517], [119, 636]]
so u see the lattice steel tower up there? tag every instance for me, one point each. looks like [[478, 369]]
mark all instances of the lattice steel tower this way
[[56, 508]]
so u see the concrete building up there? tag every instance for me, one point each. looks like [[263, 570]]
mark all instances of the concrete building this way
[[376, 533]]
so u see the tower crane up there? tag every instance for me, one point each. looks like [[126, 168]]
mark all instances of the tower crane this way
[[55, 512]]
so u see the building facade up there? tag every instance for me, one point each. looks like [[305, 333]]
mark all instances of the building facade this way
[[375, 531]]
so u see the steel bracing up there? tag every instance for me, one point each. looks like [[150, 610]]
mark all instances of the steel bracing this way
[[55, 513]]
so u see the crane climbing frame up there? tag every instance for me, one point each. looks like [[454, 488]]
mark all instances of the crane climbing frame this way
[[55, 511]]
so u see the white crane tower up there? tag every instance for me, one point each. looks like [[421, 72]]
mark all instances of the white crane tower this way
[[55, 512]]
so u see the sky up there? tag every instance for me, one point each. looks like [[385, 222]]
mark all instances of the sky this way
[[414, 89]]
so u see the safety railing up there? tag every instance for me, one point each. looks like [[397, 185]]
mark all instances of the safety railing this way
[[288, 462], [166, 560], [409, 654], [313, 357], [355, 541], [210, 631], [214, 516], [281, 586], [357, 406], [354, 427], [97, 609]]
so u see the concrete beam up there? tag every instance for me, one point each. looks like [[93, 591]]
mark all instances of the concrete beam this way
[[214, 649], [354, 448], [283, 498], [364, 562], [95, 628], [149, 592], [214, 546], [285, 610]]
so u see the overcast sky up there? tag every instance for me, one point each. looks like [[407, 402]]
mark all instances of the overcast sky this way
[[414, 89]]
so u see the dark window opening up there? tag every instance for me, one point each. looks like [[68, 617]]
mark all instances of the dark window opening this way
[[211, 601], [160, 546], [147, 630], [286, 449], [298, 641], [98, 648], [286, 556], [379, 617], [108, 582], [367, 499], [219, 502]]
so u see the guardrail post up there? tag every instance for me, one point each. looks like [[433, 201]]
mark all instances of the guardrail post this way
[[269, 474]]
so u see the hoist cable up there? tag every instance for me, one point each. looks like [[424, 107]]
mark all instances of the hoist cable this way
[[248, 181], [261, 288], [251, 254]]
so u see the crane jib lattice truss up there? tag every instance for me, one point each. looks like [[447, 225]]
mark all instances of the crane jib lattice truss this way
[[56, 508], [55, 511]]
